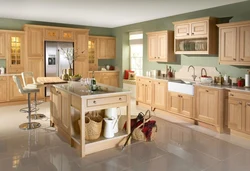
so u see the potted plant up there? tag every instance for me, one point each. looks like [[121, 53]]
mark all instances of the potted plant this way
[[71, 56]]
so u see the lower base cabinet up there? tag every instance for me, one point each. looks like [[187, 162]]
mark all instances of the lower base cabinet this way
[[3, 89], [108, 78], [239, 112], [14, 94], [159, 95], [181, 104]]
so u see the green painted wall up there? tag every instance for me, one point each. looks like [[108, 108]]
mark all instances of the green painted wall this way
[[239, 12]]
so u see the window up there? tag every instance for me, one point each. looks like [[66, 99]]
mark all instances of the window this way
[[136, 52]]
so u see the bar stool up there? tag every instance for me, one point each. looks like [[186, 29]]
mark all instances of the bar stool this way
[[29, 75], [29, 124]]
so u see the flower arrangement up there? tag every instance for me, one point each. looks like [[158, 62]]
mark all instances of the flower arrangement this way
[[70, 55]]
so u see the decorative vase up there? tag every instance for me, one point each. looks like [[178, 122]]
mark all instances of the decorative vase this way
[[70, 72]]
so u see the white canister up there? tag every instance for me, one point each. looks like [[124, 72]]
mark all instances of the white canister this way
[[247, 80], [111, 113], [2, 70]]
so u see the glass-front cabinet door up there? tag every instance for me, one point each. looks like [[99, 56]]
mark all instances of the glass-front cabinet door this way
[[15, 60], [93, 61]]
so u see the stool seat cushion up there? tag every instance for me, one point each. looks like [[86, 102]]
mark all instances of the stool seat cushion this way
[[35, 85], [30, 90]]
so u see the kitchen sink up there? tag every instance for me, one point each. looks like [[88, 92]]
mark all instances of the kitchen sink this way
[[181, 86]]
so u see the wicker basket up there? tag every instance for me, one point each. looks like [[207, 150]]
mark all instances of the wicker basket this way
[[140, 136], [93, 126]]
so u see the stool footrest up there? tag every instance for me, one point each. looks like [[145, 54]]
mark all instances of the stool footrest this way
[[31, 125], [37, 116], [26, 110], [38, 102]]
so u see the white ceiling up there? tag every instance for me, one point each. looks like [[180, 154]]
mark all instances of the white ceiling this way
[[102, 13]]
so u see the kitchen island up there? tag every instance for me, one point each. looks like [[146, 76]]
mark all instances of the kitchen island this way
[[70, 102]]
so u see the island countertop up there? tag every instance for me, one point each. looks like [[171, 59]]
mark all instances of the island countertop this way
[[76, 88]]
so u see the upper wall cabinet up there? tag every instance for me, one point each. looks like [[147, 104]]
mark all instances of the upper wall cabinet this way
[[51, 34], [92, 48], [67, 35], [2, 45], [196, 36], [35, 43], [81, 45], [106, 48], [234, 43], [160, 46]]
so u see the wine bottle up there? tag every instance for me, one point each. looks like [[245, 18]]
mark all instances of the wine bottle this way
[[93, 82]]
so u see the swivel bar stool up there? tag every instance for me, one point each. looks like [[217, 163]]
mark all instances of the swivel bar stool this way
[[28, 125], [26, 76]]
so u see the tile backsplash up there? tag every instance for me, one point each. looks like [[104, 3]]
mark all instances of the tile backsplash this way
[[3, 63]]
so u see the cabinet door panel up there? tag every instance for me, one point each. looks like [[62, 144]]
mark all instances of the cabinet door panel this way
[[82, 45], [13, 90], [148, 92], [65, 112], [173, 102], [55, 105], [182, 30], [162, 46], [247, 112], [159, 95], [3, 91], [201, 104], [102, 43], [38, 71], [2, 45], [213, 97], [235, 114], [199, 28], [114, 79], [139, 91], [245, 44], [92, 49], [152, 47], [81, 67], [228, 41], [35, 43], [51, 34], [186, 105], [110, 51]]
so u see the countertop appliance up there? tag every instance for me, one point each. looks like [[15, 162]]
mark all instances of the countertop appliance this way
[[55, 61]]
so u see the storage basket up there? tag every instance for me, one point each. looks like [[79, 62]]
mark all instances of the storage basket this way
[[93, 126]]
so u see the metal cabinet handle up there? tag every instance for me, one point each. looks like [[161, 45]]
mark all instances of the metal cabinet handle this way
[[187, 33], [242, 59], [94, 102], [207, 91], [231, 94], [120, 98], [159, 83], [192, 33], [149, 81], [234, 59]]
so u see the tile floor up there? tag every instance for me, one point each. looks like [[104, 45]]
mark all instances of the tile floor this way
[[179, 146]]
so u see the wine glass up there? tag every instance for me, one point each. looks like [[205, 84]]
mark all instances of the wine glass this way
[[87, 84]]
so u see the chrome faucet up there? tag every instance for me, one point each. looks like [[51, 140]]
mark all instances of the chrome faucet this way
[[203, 69], [194, 76]]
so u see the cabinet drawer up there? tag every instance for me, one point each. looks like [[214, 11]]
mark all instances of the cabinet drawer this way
[[3, 78], [106, 101], [244, 96]]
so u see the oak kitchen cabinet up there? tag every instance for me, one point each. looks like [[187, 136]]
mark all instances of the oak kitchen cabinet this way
[[196, 36], [234, 40], [60, 109], [144, 90], [34, 41], [14, 94], [239, 111], [106, 77], [160, 46], [92, 49], [4, 84], [209, 106], [2, 44], [159, 94], [181, 104], [16, 51], [106, 47]]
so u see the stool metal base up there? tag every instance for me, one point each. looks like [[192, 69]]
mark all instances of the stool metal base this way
[[31, 125], [36, 116]]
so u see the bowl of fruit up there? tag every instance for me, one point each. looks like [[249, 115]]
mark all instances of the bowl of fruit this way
[[76, 77]]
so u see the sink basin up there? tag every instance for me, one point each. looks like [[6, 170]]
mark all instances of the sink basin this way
[[181, 87], [182, 81]]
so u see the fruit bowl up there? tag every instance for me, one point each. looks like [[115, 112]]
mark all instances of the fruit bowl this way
[[75, 77]]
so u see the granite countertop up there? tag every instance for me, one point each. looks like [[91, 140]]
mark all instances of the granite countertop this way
[[227, 87], [75, 88], [9, 74], [105, 71]]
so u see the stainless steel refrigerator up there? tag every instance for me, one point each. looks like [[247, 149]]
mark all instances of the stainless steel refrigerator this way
[[55, 60]]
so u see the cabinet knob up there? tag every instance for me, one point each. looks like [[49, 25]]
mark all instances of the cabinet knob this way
[[155, 56], [240, 103], [192, 33], [231, 94], [159, 83], [150, 81], [248, 104], [94, 102], [187, 33], [207, 91], [242, 59], [234, 59], [120, 98], [158, 57]]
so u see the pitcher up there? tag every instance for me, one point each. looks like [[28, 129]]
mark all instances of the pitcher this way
[[108, 128], [112, 113]]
